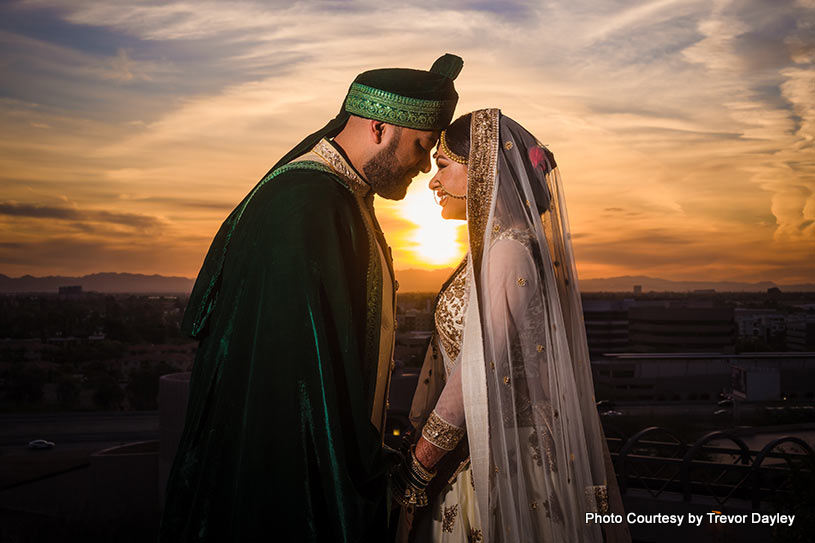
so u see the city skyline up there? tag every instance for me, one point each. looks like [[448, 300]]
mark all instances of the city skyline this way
[[683, 129]]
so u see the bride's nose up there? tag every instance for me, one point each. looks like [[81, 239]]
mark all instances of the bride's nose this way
[[434, 184]]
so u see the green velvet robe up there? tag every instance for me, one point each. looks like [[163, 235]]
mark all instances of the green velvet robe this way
[[278, 444]]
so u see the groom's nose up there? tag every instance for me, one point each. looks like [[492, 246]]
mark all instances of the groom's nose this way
[[424, 166]]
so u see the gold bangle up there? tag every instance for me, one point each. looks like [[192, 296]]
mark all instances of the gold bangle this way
[[441, 433], [411, 496], [409, 482], [449, 152], [417, 467]]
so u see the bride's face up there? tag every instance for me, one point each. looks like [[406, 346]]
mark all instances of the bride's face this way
[[450, 181]]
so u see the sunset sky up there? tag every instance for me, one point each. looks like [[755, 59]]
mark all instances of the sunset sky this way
[[684, 130]]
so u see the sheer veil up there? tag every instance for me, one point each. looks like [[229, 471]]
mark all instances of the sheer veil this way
[[538, 453]]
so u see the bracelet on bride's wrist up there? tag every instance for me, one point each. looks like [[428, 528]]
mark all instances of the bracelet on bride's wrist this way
[[410, 481]]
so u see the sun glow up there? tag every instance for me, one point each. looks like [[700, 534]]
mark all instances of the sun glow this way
[[431, 242]]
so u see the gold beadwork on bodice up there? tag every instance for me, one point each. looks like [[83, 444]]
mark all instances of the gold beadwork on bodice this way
[[449, 315]]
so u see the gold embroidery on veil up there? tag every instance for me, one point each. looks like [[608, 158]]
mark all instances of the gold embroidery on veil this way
[[481, 178]]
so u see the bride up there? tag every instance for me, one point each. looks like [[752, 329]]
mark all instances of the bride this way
[[511, 446]]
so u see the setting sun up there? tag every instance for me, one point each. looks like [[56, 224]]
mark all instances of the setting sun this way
[[430, 242]]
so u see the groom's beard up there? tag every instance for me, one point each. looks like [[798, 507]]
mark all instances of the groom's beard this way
[[384, 174]]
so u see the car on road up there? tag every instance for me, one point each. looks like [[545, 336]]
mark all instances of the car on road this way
[[607, 408], [41, 444]]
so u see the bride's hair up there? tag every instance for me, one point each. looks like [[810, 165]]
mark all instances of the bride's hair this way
[[457, 135]]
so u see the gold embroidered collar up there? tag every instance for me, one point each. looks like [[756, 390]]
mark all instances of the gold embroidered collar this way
[[334, 159]]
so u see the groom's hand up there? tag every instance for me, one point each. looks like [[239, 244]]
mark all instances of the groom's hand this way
[[405, 524]]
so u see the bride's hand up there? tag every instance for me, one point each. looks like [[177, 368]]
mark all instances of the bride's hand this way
[[428, 454]]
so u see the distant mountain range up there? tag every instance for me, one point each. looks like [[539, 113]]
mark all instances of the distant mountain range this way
[[409, 281], [99, 282], [655, 284], [431, 281]]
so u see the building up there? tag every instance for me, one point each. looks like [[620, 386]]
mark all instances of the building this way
[[414, 320], [70, 292], [681, 329], [410, 347], [764, 324], [801, 335], [683, 377], [606, 325]]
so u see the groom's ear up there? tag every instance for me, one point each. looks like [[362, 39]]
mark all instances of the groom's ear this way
[[376, 131]]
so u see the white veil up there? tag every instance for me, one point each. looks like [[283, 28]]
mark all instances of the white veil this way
[[538, 453]]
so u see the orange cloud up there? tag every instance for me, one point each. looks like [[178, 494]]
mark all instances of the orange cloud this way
[[684, 130]]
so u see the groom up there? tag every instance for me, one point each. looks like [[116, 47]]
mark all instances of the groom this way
[[294, 310]]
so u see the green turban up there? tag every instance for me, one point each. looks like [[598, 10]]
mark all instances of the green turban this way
[[420, 99], [410, 98]]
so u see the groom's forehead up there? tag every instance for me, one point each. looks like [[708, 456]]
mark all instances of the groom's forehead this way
[[428, 137]]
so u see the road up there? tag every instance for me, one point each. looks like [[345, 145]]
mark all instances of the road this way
[[77, 430]]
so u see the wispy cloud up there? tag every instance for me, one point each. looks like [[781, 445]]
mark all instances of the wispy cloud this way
[[138, 222], [65, 255], [684, 129]]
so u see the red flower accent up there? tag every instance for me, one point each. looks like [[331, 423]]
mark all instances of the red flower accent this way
[[537, 156]]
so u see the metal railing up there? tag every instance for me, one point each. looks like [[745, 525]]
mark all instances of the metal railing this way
[[656, 461]]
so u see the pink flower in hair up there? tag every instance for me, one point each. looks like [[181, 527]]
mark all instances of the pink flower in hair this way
[[537, 156]]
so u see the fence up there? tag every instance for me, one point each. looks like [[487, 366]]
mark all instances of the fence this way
[[657, 461]]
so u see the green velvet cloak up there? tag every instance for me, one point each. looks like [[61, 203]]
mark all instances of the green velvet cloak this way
[[278, 443]]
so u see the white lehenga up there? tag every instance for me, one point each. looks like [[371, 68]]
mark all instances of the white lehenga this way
[[454, 514], [509, 362]]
